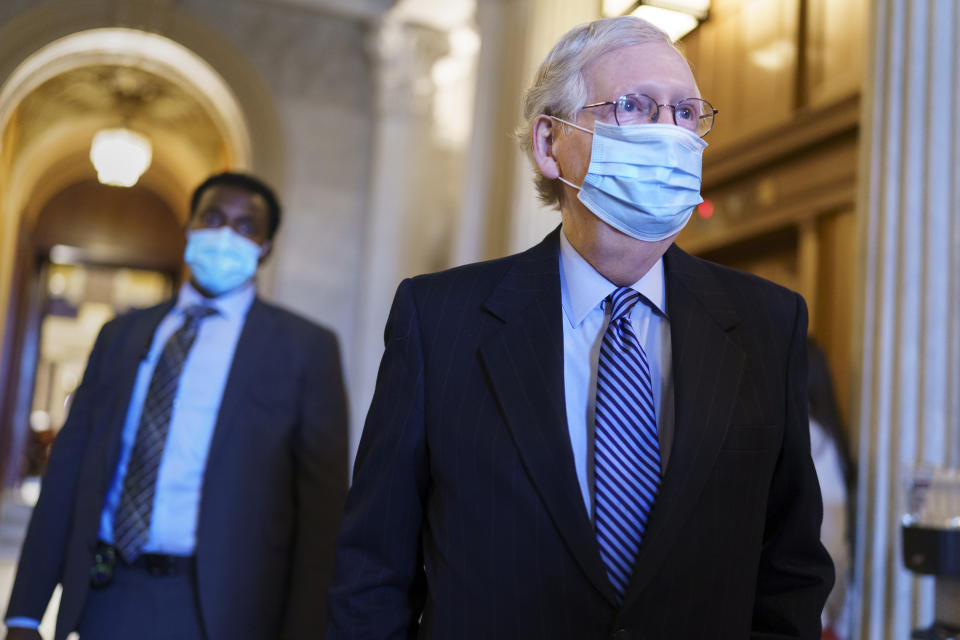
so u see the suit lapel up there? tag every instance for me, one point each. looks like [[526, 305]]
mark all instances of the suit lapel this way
[[707, 365], [524, 360], [244, 370]]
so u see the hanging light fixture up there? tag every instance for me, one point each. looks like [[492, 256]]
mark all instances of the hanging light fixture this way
[[676, 17], [120, 156]]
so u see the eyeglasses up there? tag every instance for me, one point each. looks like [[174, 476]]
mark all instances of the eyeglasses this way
[[693, 114]]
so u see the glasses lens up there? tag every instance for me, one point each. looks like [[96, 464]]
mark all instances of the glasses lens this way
[[687, 114], [695, 114], [635, 109]]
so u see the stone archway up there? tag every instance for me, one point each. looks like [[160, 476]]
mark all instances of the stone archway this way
[[44, 46]]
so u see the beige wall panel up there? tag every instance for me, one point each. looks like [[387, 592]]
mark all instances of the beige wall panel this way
[[808, 267], [772, 256], [701, 50], [777, 267], [722, 8], [744, 58], [712, 53], [768, 33], [783, 194], [836, 236], [835, 51]]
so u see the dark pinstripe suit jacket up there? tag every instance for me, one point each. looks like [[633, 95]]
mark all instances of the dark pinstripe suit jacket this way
[[273, 487], [465, 519]]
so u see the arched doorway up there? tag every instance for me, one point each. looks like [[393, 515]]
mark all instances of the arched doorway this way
[[50, 109], [74, 252], [92, 252], [52, 209]]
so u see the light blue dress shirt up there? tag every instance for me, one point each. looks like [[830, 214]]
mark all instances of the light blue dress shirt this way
[[173, 526], [583, 290]]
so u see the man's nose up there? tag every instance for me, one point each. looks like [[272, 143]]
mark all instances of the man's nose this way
[[666, 114]]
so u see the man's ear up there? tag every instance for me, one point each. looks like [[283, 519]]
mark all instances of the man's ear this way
[[265, 250], [542, 141]]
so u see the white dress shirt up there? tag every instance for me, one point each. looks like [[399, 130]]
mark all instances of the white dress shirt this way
[[583, 291]]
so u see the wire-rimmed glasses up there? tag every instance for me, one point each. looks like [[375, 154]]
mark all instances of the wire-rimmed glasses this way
[[693, 114]]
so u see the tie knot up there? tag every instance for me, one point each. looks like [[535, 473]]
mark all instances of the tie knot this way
[[622, 302], [195, 313]]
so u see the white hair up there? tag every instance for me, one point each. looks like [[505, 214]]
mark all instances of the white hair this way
[[559, 88]]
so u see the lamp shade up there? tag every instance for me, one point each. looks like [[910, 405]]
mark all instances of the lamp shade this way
[[675, 24], [696, 8], [676, 18], [120, 156]]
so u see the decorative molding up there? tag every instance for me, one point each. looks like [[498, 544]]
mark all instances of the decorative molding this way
[[404, 55], [833, 198], [139, 49], [357, 9], [301, 54], [779, 179], [809, 128]]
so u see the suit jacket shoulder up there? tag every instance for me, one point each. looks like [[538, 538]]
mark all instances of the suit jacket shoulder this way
[[765, 311], [486, 273], [499, 287], [290, 320], [741, 286]]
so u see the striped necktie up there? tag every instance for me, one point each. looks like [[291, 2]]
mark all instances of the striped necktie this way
[[131, 526], [626, 459]]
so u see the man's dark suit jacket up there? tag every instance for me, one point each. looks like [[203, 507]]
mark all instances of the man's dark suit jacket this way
[[465, 505], [273, 488]]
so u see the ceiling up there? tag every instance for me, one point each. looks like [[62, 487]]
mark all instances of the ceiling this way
[[87, 99], [52, 125], [55, 122], [119, 95]]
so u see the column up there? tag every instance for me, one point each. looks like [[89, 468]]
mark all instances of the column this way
[[909, 403], [404, 187], [531, 220], [500, 212], [483, 224]]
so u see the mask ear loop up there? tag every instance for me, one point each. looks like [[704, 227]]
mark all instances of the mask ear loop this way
[[575, 126], [571, 124]]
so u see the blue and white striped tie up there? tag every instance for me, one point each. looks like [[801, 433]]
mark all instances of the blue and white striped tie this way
[[626, 459]]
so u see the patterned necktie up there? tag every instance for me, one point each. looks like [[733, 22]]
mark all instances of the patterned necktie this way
[[131, 524], [626, 458]]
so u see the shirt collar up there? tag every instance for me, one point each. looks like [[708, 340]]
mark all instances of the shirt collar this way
[[232, 305], [583, 288]]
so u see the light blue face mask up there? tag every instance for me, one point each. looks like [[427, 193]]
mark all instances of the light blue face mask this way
[[643, 179], [221, 259]]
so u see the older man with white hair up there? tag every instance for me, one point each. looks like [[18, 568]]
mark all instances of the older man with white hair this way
[[601, 437]]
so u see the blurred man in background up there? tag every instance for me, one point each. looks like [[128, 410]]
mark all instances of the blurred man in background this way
[[601, 437], [196, 487]]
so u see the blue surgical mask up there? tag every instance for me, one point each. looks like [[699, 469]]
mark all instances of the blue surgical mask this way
[[221, 259], [643, 179]]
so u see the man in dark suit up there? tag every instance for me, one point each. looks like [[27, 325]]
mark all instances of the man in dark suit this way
[[196, 488], [601, 437]]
